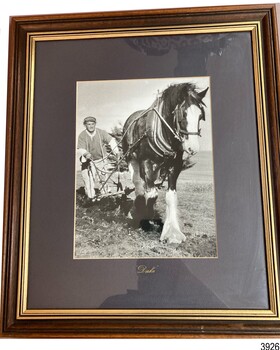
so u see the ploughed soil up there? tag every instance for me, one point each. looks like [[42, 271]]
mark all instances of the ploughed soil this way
[[103, 230]]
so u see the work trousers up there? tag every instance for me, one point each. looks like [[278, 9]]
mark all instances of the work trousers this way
[[94, 174]]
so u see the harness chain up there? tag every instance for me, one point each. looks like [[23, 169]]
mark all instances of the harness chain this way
[[118, 163]]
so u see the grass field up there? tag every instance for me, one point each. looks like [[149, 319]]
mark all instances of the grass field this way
[[102, 231]]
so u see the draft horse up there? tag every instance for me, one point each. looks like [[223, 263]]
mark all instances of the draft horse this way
[[157, 143]]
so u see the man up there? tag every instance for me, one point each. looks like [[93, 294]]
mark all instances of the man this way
[[92, 153]]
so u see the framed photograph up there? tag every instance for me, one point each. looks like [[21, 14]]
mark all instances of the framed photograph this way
[[142, 174], [112, 200]]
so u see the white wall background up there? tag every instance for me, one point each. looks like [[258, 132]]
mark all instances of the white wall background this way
[[29, 7]]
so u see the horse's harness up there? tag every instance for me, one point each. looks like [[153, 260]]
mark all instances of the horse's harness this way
[[159, 146], [155, 120]]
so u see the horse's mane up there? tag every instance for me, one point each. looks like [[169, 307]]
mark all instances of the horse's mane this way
[[177, 93]]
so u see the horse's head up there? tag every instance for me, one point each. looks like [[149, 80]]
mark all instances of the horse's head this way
[[187, 118]]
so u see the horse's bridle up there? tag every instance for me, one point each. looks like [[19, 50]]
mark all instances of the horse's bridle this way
[[179, 118]]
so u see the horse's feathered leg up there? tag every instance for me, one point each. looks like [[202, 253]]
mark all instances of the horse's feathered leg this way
[[140, 201], [138, 182], [149, 172], [171, 230], [146, 193]]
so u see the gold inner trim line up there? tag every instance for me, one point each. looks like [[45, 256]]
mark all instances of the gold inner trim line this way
[[266, 181], [148, 31], [265, 165], [26, 178], [270, 230]]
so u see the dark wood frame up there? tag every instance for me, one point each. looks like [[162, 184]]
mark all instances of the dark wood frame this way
[[121, 328]]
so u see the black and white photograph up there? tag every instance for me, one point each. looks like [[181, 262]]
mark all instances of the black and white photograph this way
[[144, 169]]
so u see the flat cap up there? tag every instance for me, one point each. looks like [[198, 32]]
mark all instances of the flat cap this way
[[89, 119]]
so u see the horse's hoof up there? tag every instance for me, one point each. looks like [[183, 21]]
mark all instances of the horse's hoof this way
[[146, 225], [173, 236]]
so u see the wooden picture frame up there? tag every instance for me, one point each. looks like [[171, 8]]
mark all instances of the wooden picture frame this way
[[45, 293]]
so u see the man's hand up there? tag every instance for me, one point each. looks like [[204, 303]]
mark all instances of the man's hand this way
[[87, 155], [118, 156]]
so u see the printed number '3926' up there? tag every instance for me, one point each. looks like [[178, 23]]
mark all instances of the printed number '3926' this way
[[270, 346]]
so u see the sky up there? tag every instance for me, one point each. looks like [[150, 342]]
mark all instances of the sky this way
[[113, 101]]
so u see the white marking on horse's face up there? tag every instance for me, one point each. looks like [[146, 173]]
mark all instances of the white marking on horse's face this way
[[191, 143]]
